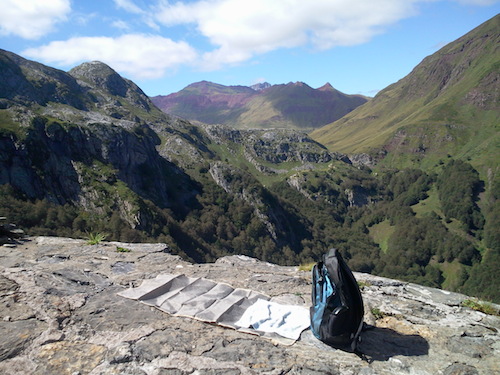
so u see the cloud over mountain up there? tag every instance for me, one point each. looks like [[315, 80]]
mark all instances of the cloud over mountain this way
[[138, 55], [160, 36], [240, 30]]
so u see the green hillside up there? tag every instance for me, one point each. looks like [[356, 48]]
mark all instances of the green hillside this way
[[447, 106]]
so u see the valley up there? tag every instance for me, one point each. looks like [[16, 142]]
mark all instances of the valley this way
[[406, 184]]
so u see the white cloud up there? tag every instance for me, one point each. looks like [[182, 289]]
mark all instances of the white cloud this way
[[129, 6], [31, 19], [237, 30], [137, 56], [120, 24], [145, 13], [478, 2], [240, 29], [83, 19]]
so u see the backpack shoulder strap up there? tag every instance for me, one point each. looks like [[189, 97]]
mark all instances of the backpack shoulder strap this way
[[333, 264]]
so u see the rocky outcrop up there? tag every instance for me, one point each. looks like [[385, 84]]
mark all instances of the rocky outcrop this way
[[272, 146], [9, 233], [99, 77], [362, 159], [357, 196], [60, 314], [278, 146], [96, 167]]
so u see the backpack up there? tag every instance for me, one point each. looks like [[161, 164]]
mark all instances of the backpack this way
[[337, 305]]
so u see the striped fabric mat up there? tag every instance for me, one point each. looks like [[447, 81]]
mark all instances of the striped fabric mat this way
[[219, 303]]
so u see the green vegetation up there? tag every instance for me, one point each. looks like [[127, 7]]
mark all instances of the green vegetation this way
[[363, 284], [484, 307], [385, 237], [369, 216], [307, 267], [424, 117], [381, 233], [120, 249], [8, 126], [458, 189], [96, 238], [377, 313]]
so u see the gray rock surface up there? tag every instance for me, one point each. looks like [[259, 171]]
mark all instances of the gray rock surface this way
[[60, 314]]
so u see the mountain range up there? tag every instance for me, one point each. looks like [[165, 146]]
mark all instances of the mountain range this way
[[293, 105], [415, 196]]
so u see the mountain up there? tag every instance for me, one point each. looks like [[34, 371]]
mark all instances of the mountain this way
[[448, 106], [207, 102], [86, 153], [92, 143], [85, 139], [294, 105]]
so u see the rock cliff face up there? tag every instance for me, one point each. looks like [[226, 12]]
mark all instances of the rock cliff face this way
[[85, 138], [61, 315], [273, 146]]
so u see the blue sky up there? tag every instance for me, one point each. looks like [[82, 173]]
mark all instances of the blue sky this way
[[359, 46]]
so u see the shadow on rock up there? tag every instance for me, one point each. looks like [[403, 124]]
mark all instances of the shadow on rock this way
[[380, 344]]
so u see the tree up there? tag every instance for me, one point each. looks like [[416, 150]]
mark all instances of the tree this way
[[458, 189]]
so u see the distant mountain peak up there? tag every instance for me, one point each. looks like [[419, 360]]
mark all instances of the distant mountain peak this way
[[92, 68], [297, 84], [260, 86], [326, 87], [100, 76]]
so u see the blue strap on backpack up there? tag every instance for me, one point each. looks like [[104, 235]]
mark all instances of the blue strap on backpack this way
[[337, 305]]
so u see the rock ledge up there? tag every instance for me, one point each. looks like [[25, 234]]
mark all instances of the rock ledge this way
[[60, 314]]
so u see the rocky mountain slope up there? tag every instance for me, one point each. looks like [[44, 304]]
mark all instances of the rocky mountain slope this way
[[93, 140], [86, 132], [60, 314], [447, 106], [294, 105]]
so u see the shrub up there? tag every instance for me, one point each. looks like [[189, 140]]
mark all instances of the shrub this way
[[95, 238], [484, 307]]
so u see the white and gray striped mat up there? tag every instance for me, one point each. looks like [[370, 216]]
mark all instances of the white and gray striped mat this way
[[221, 304]]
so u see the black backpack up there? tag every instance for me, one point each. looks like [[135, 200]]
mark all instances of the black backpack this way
[[337, 305]]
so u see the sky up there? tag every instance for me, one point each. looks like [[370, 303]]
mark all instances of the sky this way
[[358, 46]]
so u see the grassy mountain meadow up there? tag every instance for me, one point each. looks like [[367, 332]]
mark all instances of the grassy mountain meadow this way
[[406, 185], [447, 106]]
